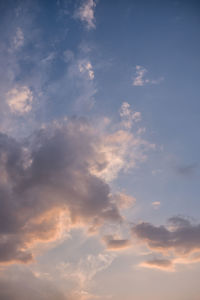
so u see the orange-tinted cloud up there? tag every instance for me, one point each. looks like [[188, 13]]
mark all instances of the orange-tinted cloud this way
[[45, 176], [160, 264], [180, 239]]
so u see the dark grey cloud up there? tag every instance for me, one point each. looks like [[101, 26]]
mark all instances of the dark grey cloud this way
[[116, 244], [180, 236], [47, 175]]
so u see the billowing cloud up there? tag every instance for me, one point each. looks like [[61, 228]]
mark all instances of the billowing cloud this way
[[86, 13], [20, 100], [55, 180], [45, 177]]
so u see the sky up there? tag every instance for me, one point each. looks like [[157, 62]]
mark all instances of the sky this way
[[99, 150]]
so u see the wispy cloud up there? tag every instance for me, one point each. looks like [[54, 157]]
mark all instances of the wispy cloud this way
[[85, 67], [128, 115], [18, 39], [141, 78], [83, 272], [86, 13]]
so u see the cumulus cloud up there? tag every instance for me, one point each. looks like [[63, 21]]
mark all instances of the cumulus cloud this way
[[20, 100], [56, 179], [181, 236], [180, 239], [140, 78], [44, 177], [86, 13]]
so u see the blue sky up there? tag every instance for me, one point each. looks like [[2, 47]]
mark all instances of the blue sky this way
[[99, 149]]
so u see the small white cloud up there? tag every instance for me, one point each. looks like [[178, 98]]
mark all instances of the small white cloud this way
[[86, 13], [85, 66], [140, 77], [156, 204], [18, 40], [20, 100], [128, 116]]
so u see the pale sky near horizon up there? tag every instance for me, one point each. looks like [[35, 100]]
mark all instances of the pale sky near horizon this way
[[99, 150]]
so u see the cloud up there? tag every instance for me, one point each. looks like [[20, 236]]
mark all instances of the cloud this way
[[158, 263], [124, 201], [86, 13], [20, 100], [82, 273], [180, 239], [113, 243], [140, 78], [45, 177], [115, 149], [128, 116], [56, 179], [18, 40], [85, 67]]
